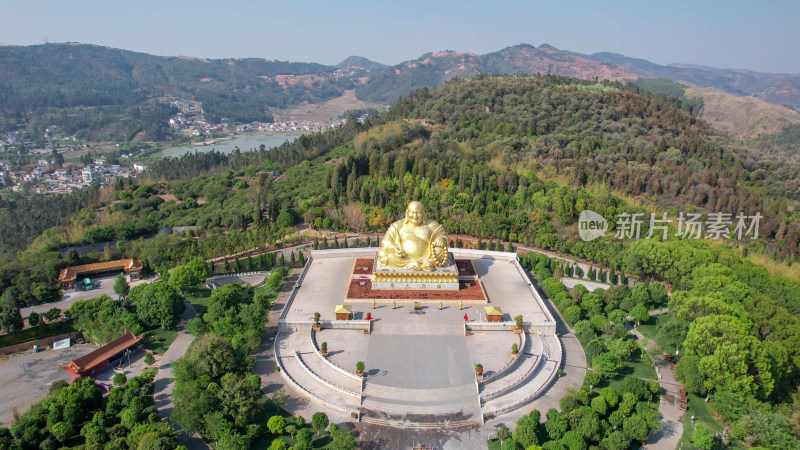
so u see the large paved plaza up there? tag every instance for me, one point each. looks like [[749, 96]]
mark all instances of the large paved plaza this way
[[419, 361]]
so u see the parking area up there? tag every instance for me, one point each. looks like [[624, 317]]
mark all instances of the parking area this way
[[26, 378]]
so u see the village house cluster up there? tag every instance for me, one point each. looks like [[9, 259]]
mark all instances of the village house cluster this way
[[45, 179]]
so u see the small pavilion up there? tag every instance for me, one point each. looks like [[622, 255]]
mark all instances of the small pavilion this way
[[494, 314], [343, 312]]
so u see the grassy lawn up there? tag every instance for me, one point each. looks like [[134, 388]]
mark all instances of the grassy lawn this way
[[37, 332], [158, 340], [640, 367], [198, 298], [651, 331], [702, 414]]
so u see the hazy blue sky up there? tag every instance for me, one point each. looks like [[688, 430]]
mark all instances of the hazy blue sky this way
[[762, 36]]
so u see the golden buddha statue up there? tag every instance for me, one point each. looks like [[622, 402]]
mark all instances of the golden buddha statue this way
[[414, 243]]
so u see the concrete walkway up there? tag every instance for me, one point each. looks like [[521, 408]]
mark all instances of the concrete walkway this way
[[164, 384], [669, 436], [295, 403]]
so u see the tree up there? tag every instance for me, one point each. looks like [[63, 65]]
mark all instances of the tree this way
[[278, 444], [276, 424], [556, 424], [121, 286], [639, 313], [224, 300], [503, 433], [213, 355], [157, 303], [573, 440], [635, 428], [703, 439], [239, 397], [599, 406], [61, 431], [11, 319], [728, 356], [52, 314], [189, 274], [34, 319], [525, 435], [319, 421], [119, 379], [304, 438]]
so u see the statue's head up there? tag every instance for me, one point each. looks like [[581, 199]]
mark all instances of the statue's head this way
[[415, 213]]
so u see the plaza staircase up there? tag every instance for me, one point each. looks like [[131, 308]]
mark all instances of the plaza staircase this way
[[529, 379], [452, 407], [304, 374]]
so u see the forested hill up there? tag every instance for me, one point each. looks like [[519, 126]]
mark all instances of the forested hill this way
[[70, 75], [468, 145]]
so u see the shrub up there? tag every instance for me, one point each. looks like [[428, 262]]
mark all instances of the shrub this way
[[149, 359], [119, 379], [518, 320], [324, 347], [514, 348], [360, 366]]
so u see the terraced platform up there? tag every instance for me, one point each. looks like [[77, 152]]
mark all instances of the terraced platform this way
[[420, 365]]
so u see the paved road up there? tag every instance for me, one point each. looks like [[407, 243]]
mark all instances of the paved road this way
[[106, 287], [164, 384], [669, 436]]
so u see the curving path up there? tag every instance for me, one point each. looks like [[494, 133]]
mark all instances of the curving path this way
[[163, 384], [669, 436]]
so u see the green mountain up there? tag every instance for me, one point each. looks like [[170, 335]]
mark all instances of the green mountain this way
[[43, 79]]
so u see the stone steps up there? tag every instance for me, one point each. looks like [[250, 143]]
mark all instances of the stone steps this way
[[523, 394], [420, 405], [418, 395], [526, 369], [294, 370], [447, 424], [352, 390]]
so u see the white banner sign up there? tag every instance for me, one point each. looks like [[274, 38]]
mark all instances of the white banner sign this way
[[64, 343]]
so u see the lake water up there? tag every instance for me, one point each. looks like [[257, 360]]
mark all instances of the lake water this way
[[245, 144]]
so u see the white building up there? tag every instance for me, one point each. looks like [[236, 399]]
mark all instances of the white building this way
[[87, 175]]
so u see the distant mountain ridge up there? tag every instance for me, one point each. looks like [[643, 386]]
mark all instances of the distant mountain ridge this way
[[781, 89], [39, 78], [361, 63], [434, 69]]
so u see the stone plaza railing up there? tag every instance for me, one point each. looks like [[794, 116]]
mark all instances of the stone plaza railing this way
[[327, 362], [524, 378], [529, 398], [511, 364], [290, 326], [323, 381]]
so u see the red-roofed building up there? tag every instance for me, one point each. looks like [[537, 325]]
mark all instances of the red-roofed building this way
[[131, 266], [98, 360]]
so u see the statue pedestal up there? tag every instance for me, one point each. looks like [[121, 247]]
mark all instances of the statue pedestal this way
[[399, 279]]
